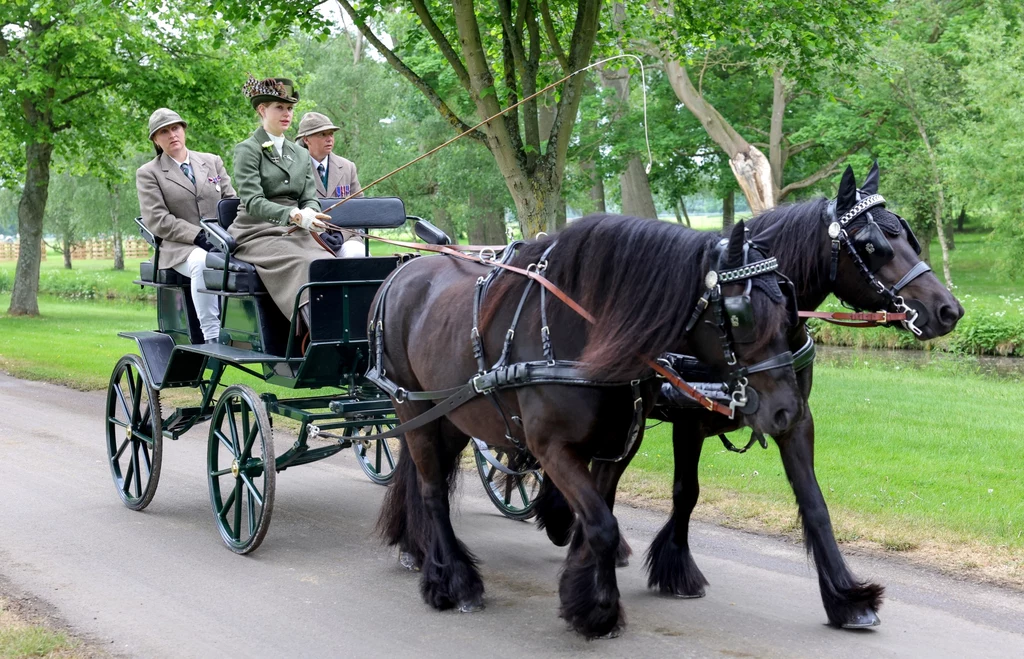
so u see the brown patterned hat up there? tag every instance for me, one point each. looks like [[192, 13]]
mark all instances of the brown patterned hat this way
[[269, 90]]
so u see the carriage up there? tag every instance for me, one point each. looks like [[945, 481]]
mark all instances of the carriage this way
[[257, 340]]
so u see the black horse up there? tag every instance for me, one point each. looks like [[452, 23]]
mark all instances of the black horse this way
[[878, 269], [641, 280]]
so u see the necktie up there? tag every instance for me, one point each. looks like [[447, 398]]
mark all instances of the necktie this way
[[323, 174], [187, 171]]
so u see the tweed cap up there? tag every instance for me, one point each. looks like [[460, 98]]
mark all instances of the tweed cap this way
[[164, 117], [313, 123], [269, 90]]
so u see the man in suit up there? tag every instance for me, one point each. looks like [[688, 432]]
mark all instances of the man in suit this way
[[176, 189], [335, 176]]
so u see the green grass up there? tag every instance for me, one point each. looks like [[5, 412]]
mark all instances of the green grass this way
[[18, 639], [932, 451]]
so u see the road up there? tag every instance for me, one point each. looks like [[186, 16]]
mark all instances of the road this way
[[160, 584]]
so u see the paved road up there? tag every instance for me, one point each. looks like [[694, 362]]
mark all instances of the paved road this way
[[160, 584]]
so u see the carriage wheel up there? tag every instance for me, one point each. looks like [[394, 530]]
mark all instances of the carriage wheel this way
[[377, 458], [134, 433], [239, 449], [514, 495]]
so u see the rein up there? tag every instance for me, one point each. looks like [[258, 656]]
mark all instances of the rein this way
[[857, 318], [533, 273]]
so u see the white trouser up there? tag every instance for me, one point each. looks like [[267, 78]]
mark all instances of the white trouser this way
[[351, 249], [206, 303]]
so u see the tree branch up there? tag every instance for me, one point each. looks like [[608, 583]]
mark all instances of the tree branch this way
[[797, 148], [446, 112], [549, 29], [442, 42]]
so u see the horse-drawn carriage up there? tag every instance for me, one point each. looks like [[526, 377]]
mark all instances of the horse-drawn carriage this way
[[256, 339], [654, 289]]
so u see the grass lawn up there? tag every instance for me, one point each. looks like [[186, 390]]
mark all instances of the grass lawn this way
[[20, 639]]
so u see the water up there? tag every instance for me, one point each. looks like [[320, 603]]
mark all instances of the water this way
[[998, 367]]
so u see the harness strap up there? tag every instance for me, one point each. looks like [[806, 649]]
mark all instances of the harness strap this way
[[568, 301], [780, 360], [919, 269]]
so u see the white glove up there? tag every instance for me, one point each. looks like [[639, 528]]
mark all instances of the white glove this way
[[309, 219]]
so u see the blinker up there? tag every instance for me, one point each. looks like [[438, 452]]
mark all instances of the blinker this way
[[739, 313], [872, 246]]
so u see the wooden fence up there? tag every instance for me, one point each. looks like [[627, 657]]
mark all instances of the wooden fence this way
[[9, 251], [134, 248]]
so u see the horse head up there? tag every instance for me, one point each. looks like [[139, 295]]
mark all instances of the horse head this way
[[870, 243], [741, 331]]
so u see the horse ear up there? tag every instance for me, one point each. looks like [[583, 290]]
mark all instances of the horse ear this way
[[871, 182], [847, 197], [735, 257]]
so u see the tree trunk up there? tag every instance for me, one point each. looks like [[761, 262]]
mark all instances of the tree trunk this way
[[487, 224], [637, 199], [728, 211], [686, 215], [749, 165], [443, 221], [925, 238], [596, 188], [559, 219], [25, 296], [961, 218], [115, 223], [66, 244], [938, 206]]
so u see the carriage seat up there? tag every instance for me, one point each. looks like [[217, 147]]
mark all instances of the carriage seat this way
[[150, 272]]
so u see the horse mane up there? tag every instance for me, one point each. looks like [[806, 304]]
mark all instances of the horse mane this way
[[639, 278], [794, 234]]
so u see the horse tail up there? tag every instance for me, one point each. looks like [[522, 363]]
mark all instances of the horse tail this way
[[402, 502]]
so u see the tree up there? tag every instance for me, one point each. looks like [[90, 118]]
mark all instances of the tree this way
[[65, 63], [484, 55], [789, 44]]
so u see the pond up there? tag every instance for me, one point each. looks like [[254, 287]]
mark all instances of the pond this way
[[999, 367]]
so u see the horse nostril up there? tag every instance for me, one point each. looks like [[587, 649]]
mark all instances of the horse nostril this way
[[949, 315]]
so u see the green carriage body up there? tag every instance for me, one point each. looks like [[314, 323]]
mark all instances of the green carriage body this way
[[257, 339]]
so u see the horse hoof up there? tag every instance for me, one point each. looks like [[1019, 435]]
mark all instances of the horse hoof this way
[[612, 634], [690, 596], [406, 560], [471, 606], [862, 620]]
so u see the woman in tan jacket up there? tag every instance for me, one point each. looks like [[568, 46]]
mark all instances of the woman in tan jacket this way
[[176, 189]]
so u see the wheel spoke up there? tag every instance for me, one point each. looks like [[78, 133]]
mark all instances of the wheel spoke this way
[[253, 491], [123, 402], [127, 484], [146, 458], [120, 450], [138, 470], [237, 531], [252, 512], [116, 421], [227, 506], [232, 425], [136, 399], [510, 482], [226, 442], [222, 472], [388, 454], [250, 437], [522, 491]]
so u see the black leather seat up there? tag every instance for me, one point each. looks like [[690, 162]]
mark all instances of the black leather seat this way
[[241, 276], [166, 276]]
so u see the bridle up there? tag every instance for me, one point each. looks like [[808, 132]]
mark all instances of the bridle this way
[[870, 250], [734, 320]]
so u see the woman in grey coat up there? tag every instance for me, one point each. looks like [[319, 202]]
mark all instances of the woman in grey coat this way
[[275, 184], [176, 189]]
